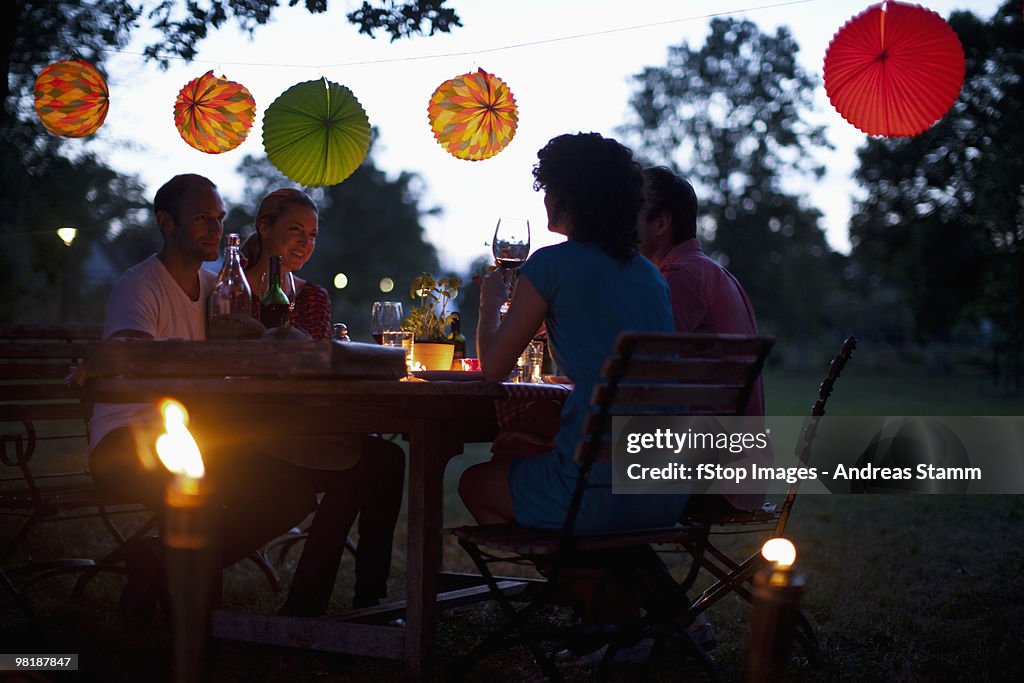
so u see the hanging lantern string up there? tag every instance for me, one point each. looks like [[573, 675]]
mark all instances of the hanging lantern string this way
[[469, 53]]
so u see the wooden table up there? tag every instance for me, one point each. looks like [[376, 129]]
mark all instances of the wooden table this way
[[311, 392]]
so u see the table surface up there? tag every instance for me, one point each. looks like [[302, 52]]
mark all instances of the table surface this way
[[437, 418]]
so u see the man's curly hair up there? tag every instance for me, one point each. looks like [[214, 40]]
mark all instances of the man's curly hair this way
[[595, 182]]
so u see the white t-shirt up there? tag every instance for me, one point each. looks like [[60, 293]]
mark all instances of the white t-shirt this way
[[146, 298]]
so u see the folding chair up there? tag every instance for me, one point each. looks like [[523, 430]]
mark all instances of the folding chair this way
[[43, 472], [736, 576], [43, 434], [650, 375]]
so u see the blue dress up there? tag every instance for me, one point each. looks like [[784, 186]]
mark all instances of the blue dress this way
[[591, 298]]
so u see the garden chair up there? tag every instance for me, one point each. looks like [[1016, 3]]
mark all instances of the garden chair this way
[[43, 474], [736, 576], [43, 436], [646, 374]]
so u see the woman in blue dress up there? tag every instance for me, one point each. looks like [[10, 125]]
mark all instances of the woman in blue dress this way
[[586, 291]]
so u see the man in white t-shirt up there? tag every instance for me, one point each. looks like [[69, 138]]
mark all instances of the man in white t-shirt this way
[[164, 297]]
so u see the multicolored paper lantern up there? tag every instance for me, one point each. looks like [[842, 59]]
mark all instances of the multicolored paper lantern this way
[[316, 133], [473, 116], [894, 69], [71, 98], [214, 114]]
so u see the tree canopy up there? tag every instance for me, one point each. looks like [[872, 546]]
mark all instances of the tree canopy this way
[[731, 117], [943, 218], [42, 191], [45, 189], [34, 33]]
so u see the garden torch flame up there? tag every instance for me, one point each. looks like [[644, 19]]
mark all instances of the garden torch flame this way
[[176, 448], [782, 552]]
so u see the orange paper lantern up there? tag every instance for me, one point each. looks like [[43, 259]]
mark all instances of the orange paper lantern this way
[[71, 98], [473, 116], [894, 70], [214, 114]]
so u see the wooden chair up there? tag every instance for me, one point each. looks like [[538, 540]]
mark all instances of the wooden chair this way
[[40, 410], [646, 374], [735, 576], [43, 438]]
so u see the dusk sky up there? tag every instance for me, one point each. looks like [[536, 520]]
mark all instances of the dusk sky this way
[[568, 64]]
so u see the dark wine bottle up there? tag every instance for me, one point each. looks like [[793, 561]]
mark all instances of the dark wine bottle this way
[[275, 310], [459, 340]]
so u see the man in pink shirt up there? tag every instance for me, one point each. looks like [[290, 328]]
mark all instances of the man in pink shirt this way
[[706, 298]]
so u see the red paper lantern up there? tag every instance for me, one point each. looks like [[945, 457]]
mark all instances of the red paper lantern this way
[[71, 98], [894, 69]]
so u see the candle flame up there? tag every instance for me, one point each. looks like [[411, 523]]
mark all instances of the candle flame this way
[[177, 450], [781, 551]]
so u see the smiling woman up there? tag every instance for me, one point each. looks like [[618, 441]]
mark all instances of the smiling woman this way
[[286, 226]]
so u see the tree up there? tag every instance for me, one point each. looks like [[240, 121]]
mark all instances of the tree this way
[[731, 116], [943, 220], [43, 189], [43, 279], [369, 230], [36, 32]]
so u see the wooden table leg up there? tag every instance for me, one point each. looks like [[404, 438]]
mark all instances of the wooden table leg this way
[[424, 548]]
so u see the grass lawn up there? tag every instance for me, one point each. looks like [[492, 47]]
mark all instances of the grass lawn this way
[[899, 588]]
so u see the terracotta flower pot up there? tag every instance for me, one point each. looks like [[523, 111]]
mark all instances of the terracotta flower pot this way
[[433, 355]]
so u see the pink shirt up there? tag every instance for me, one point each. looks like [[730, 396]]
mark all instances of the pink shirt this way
[[707, 299]]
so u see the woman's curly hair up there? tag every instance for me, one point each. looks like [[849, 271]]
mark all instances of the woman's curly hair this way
[[595, 182]]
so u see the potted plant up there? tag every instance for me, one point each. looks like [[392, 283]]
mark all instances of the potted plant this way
[[429, 320]]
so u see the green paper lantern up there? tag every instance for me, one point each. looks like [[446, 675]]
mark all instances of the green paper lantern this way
[[316, 133]]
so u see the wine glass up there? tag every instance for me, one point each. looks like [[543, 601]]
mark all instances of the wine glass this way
[[386, 316], [510, 246], [288, 285]]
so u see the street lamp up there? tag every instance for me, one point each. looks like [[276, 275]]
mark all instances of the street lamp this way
[[67, 235]]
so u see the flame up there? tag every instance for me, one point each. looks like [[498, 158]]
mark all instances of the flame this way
[[177, 450], [781, 551]]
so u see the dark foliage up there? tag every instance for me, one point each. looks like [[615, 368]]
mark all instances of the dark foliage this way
[[943, 220], [730, 116]]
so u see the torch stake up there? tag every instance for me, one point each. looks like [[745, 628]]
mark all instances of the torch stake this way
[[773, 624], [190, 551]]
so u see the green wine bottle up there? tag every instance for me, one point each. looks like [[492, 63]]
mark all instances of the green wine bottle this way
[[275, 309], [459, 340]]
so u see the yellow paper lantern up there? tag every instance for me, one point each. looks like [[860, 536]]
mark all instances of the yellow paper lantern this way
[[214, 114], [71, 98], [473, 116]]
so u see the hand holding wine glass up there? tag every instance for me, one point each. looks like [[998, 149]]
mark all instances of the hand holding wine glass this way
[[511, 243], [510, 246]]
